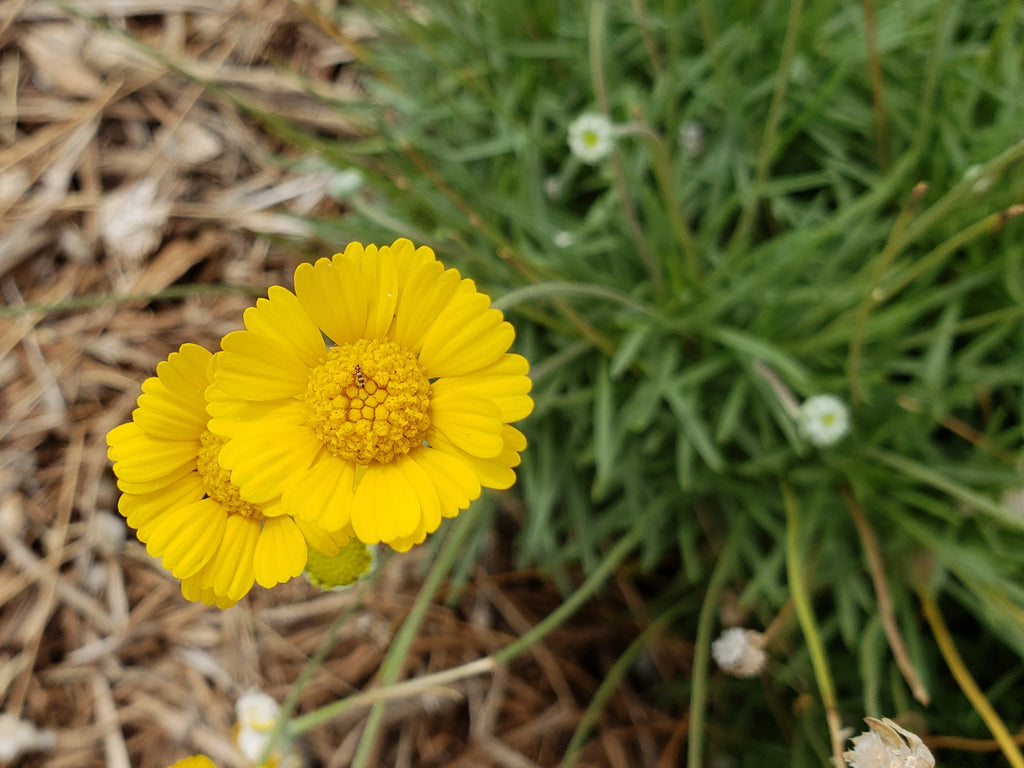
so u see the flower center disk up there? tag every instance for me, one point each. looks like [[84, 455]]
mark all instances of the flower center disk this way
[[369, 401], [217, 480]]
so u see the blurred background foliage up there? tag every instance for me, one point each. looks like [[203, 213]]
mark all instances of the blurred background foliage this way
[[802, 199]]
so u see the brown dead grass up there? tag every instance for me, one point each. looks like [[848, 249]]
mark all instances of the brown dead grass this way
[[120, 176]]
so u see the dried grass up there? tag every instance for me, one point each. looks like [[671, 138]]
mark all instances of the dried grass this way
[[120, 176]]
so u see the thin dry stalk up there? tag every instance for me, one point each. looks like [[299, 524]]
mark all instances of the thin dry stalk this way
[[876, 566]]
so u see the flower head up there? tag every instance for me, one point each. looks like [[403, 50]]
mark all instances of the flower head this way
[[740, 652], [591, 137], [196, 761], [354, 562], [824, 420], [183, 504], [257, 715], [394, 426], [887, 745]]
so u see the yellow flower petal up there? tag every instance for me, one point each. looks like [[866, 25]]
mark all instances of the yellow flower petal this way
[[504, 382], [184, 371], [226, 412], [325, 542], [428, 288], [405, 543], [197, 761], [466, 336], [142, 510], [272, 358], [256, 367], [281, 319], [495, 472], [514, 439], [332, 293], [385, 505], [423, 486], [171, 405], [165, 416], [472, 422], [265, 458], [323, 494], [454, 480], [140, 458], [187, 538], [230, 573], [155, 485], [409, 258], [192, 589], [380, 281], [280, 552]]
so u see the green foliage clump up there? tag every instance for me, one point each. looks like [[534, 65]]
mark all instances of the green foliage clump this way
[[801, 199]]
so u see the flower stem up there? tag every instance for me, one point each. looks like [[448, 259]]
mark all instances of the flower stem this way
[[598, 11], [877, 568], [661, 163], [966, 682], [808, 624], [702, 647]]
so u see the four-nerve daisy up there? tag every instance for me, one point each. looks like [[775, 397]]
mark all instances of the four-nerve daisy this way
[[375, 400], [182, 503]]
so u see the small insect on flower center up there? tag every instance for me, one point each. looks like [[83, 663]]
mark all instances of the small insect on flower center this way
[[217, 480], [369, 401]]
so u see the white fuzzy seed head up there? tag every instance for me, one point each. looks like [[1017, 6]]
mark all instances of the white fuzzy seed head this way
[[591, 137], [887, 745], [824, 420], [740, 652]]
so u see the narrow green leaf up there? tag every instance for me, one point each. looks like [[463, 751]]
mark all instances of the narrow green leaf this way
[[936, 364], [941, 482], [604, 420], [628, 349], [751, 346], [693, 428]]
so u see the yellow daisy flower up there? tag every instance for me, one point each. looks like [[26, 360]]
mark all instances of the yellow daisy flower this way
[[196, 761], [396, 425], [181, 501]]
